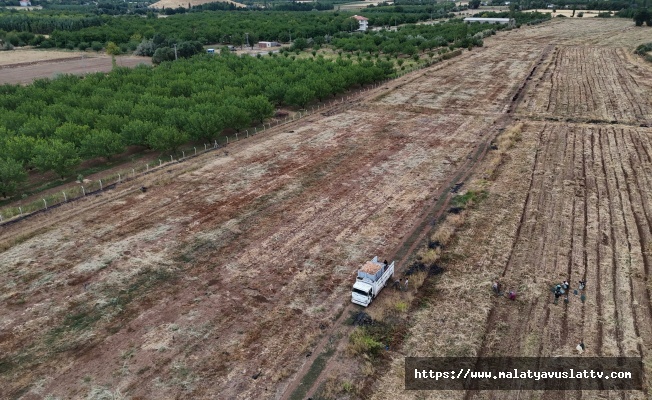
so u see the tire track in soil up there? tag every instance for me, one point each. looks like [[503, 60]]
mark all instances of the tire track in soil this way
[[598, 264], [626, 265], [612, 242], [400, 255], [644, 234], [422, 227], [639, 232], [569, 175]]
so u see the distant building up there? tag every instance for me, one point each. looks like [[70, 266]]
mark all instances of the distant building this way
[[264, 45], [25, 3], [362, 22], [505, 21]]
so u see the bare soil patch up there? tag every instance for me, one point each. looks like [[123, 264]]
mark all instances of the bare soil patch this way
[[30, 66], [22, 56]]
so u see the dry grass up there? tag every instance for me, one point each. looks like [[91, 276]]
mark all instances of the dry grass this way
[[504, 142], [510, 137], [445, 231]]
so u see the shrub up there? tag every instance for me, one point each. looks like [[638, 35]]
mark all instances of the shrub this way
[[360, 343]]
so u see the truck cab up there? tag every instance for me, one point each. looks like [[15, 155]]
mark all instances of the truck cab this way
[[362, 293]]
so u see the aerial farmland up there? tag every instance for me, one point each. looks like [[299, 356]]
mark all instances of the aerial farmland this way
[[230, 276]]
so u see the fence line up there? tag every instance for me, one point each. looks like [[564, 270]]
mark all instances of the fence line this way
[[14, 214]]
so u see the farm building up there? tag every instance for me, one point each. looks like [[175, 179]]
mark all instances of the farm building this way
[[506, 21], [25, 3], [362, 21], [264, 45]]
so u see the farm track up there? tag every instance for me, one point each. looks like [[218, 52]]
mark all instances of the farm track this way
[[424, 226]]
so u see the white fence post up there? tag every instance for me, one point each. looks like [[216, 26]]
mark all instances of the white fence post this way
[[247, 133], [46, 204], [65, 198], [215, 145], [83, 191], [236, 136], [147, 166], [101, 188], [119, 178], [204, 146], [195, 150], [160, 162], [21, 210], [171, 159], [133, 173], [183, 154]]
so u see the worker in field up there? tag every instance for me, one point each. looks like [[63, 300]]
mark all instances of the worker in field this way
[[397, 284], [565, 285], [512, 295], [582, 284], [496, 287], [557, 295], [406, 284]]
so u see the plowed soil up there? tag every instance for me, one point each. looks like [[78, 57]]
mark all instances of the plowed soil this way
[[220, 279], [570, 202]]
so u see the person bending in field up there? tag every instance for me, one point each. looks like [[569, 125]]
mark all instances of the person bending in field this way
[[565, 285], [557, 295], [512, 295], [582, 284]]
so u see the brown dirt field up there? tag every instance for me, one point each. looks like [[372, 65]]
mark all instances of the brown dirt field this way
[[21, 55], [50, 64], [570, 201], [222, 279]]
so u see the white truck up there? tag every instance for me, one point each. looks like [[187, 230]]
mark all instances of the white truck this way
[[372, 278]]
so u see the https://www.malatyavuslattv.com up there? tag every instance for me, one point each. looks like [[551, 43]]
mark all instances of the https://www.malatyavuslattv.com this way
[[524, 373]]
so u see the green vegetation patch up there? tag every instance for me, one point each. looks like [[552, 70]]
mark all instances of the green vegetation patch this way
[[469, 198]]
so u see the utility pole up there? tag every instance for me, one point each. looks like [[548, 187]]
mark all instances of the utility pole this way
[[175, 52]]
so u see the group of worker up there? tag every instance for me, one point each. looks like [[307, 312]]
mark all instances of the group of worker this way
[[398, 284], [559, 290], [496, 287], [563, 288]]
